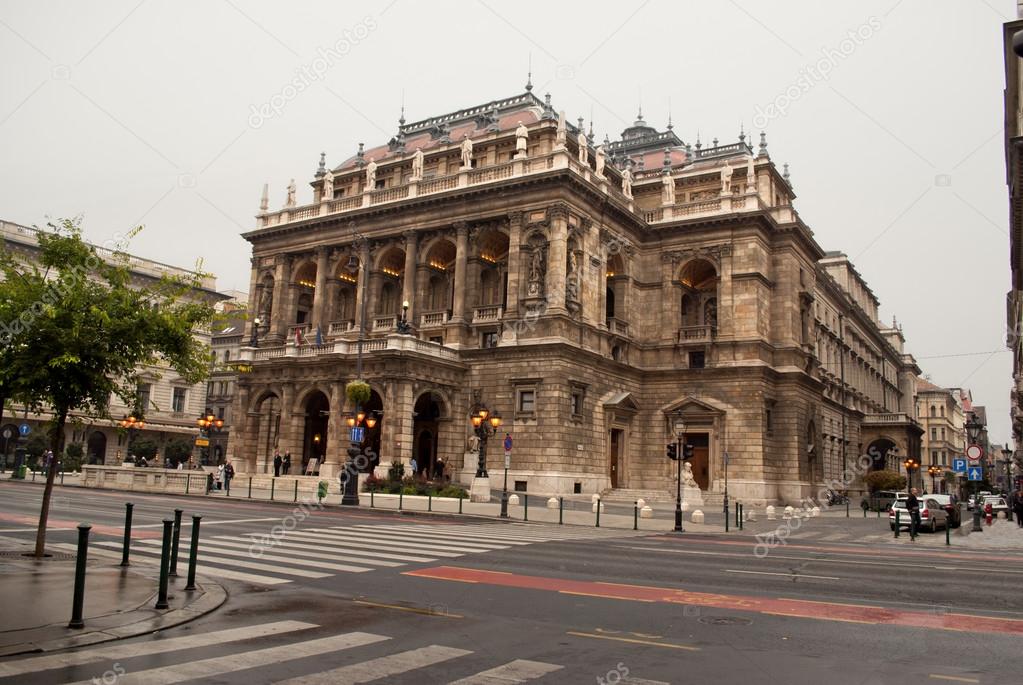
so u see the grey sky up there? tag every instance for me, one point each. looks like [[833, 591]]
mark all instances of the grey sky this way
[[141, 112]]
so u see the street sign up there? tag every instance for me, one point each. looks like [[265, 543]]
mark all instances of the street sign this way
[[507, 459], [202, 442], [24, 429], [357, 434], [976, 473], [8, 434], [974, 452], [959, 465], [507, 442]]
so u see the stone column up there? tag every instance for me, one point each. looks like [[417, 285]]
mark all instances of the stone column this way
[[408, 289], [396, 430], [363, 283], [286, 437], [254, 296], [282, 285], [511, 312], [320, 294], [240, 440], [461, 264], [557, 257], [336, 455]]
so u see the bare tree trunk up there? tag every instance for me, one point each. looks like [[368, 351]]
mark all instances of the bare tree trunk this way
[[56, 446]]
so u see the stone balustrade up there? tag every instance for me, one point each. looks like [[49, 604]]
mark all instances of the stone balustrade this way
[[487, 314], [340, 327], [390, 343], [431, 319], [695, 334]]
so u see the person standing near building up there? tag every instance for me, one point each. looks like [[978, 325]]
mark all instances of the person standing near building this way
[[286, 464], [278, 462], [414, 467], [913, 507], [228, 475], [1017, 506]]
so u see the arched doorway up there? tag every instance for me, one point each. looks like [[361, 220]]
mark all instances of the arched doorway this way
[[424, 429], [97, 448], [314, 445], [879, 452], [267, 430]]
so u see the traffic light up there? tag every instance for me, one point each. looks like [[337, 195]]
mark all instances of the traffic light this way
[[687, 452], [672, 451]]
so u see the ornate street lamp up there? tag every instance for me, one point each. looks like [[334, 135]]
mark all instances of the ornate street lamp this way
[[254, 340], [934, 470], [678, 424], [131, 423], [911, 465], [350, 495], [208, 424], [404, 327], [1007, 462]]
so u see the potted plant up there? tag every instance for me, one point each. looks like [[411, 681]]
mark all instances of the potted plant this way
[[358, 392]]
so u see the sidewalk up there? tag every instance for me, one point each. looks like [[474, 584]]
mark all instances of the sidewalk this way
[[37, 595]]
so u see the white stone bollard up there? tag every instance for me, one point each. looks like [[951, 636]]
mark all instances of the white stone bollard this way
[[595, 498], [787, 514], [646, 513], [594, 507], [685, 506], [697, 516], [552, 503], [513, 500], [771, 515], [816, 511], [641, 503], [749, 514]]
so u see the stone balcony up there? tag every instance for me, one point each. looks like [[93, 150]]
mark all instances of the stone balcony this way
[[391, 343], [433, 319], [340, 327], [385, 323], [617, 327], [696, 334], [487, 314]]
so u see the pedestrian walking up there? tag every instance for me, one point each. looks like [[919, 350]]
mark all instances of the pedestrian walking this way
[[220, 477], [286, 463], [278, 462], [913, 507], [1017, 507], [228, 475], [413, 466], [438, 469]]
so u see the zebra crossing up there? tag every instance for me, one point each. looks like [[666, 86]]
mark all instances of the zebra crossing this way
[[316, 553], [350, 657]]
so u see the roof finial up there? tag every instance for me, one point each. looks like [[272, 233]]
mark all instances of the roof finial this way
[[401, 119], [742, 132], [785, 172], [322, 169], [669, 115], [529, 75], [762, 150], [699, 145], [264, 200]]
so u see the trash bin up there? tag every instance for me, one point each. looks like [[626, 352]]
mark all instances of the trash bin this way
[[21, 472]]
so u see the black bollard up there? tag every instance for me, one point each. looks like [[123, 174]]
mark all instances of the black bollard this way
[[78, 603], [295, 497], [635, 515], [561, 510], [161, 599], [126, 547], [459, 503], [525, 507], [429, 501], [193, 552], [897, 523], [598, 513], [741, 516], [174, 544]]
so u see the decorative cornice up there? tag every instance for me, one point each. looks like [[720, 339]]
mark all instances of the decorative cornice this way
[[711, 252], [558, 210]]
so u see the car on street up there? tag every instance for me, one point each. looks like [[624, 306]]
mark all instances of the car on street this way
[[955, 517], [932, 514], [972, 501], [997, 502]]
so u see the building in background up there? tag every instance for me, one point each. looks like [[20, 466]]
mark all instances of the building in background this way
[[171, 406], [1014, 179], [590, 293], [226, 342], [940, 414]]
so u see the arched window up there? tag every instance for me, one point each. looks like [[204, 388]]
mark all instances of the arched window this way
[[934, 410], [304, 309], [609, 307]]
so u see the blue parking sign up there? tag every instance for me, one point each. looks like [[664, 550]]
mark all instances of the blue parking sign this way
[[959, 465], [976, 473]]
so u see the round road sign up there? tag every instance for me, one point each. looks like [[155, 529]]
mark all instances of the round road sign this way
[[974, 452]]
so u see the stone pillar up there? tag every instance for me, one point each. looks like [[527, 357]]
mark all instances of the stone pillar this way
[[557, 257], [408, 289], [671, 304], [330, 303], [461, 264], [335, 457], [511, 311], [320, 294], [255, 292], [239, 446], [282, 286], [363, 283], [286, 437], [396, 430]]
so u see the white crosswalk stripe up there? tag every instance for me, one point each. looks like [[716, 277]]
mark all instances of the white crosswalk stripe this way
[[351, 657], [518, 671], [315, 553]]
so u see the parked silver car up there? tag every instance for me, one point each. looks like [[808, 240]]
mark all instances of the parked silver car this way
[[932, 514]]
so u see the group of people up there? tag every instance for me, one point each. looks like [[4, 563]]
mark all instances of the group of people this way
[[282, 465], [438, 469]]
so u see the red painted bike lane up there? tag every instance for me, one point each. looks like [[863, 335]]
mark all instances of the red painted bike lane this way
[[795, 608]]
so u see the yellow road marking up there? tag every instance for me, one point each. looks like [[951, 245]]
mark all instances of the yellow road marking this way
[[414, 610], [634, 641]]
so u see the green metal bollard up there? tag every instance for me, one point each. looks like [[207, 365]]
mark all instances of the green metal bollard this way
[[635, 515], [401, 498], [33, 474], [948, 538], [598, 513], [128, 507], [865, 511], [174, 543], [193, 552], [78, 602], [273, 484], [525, 507], [161, 599], [188, 482], [896, 523], [295, 498], [250, 487], [459, 503], [371, 503], [847, 507], [429, 501], [561, 510]]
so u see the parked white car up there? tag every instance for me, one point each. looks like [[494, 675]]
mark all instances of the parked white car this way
[[932, 514]]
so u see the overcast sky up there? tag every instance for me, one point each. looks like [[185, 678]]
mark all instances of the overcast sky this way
[[153, 112]]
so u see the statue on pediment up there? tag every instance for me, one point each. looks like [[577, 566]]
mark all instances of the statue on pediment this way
[[417, 164], [290, 199], [466, 152]]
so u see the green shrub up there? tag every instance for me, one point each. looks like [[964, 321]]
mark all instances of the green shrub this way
[[396, 471], [358, 392], [884, 480], [452, 491]]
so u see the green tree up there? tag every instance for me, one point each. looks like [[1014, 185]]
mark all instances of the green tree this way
[[78, 329], [73, 455], [884, 480], [178, 450], [145, 447]]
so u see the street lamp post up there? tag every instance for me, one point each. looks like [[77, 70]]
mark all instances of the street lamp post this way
[[973, 430], [404, 327], [209, 424], [1007, 461], [350, 496], [254, 339], [485, 423], [934, 470], [911, 465], [679, 426]]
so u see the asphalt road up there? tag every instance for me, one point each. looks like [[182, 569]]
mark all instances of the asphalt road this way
[[363, 596]]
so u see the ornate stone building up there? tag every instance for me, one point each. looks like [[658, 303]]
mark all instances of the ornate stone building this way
[[586, 292]]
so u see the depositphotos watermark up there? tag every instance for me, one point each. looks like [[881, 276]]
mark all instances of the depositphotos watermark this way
[[308, 74], [812, 74]]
